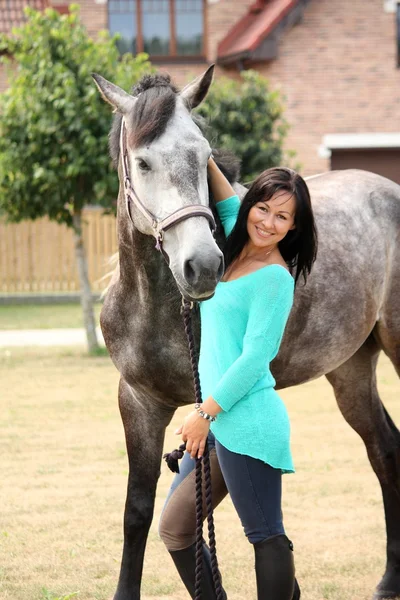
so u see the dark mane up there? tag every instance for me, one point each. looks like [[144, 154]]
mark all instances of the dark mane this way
[[154, 108]]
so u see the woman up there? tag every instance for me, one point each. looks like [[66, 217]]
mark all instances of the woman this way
[[271, 243]]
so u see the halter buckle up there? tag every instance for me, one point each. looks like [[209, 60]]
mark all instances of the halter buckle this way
[[159, 239]]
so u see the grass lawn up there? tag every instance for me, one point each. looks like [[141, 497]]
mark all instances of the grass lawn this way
[[43, 316], [64, 473]]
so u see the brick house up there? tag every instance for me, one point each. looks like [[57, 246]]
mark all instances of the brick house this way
[[337, 63]]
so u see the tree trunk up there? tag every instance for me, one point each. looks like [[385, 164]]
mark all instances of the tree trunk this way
[[86, 292]]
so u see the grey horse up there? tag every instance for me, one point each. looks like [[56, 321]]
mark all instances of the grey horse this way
[[341, 320]]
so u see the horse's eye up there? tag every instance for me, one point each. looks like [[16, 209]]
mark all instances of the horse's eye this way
[[143, 165]]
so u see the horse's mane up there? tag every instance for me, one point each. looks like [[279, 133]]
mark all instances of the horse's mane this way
[[155, 106], [156, 100]]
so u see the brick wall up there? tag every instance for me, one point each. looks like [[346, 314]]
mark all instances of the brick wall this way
[[338, 72], [93, 14], [221, 16], [337, 69]]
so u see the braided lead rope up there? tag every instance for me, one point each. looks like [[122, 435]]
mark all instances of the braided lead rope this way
[[199, 531], [172, 462], [187, 320], [211, 529]]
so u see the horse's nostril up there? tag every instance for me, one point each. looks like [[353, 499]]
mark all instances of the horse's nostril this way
[[189, 272]]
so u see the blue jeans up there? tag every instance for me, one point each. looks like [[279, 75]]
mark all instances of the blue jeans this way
[[254, 487]]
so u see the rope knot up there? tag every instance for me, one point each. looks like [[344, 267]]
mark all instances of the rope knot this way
[[171, 458]]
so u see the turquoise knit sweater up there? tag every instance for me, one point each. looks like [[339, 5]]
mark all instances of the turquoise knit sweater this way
[[241, 329]]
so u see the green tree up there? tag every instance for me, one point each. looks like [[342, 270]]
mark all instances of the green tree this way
[[54, 127], [246, 117]]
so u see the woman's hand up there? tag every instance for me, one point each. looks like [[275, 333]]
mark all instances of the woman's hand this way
[[194, 432]]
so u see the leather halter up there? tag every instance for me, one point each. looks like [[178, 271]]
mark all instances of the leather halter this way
[[159, 226]]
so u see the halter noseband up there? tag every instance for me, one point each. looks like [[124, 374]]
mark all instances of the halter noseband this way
[[158, 226]]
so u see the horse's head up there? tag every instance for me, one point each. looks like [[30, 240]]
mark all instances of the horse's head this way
[[166, 155]]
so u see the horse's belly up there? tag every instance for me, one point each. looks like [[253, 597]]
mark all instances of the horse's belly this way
[[326, 327]]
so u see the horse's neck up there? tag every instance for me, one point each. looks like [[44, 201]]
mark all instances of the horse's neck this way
[[144, 273]]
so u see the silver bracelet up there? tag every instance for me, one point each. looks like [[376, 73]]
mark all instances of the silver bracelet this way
[[203, 414]]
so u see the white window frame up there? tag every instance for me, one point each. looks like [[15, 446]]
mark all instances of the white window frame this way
[[390, 6], [357, 141]]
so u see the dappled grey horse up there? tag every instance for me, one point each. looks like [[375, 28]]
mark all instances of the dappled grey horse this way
[[341, 320]]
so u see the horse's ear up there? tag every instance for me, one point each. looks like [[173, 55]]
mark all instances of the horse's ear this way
[[194, 93], [114, 95]]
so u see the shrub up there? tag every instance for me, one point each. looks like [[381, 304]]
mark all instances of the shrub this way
[[246, 118]]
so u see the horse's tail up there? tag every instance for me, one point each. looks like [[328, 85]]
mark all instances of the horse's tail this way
[[112, 274]]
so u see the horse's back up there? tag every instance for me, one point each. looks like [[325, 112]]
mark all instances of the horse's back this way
[[358, 220], [361, 188]]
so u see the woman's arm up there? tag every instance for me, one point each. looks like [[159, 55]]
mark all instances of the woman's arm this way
[[211, 407], [220, 186], [227, 201]]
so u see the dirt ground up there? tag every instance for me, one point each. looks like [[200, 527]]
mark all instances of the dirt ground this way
[[64, 472]]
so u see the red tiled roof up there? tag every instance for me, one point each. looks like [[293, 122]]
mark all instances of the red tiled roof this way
[[254, 27], [12, 12]]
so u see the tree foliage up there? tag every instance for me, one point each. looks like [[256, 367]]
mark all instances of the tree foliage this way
[[53, 123], [246, 117]]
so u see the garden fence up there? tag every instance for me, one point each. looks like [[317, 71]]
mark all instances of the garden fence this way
[[39, 257]]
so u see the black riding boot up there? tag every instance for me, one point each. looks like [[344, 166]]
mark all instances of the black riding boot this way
[[185, 563], [297, 592], [275, 568]]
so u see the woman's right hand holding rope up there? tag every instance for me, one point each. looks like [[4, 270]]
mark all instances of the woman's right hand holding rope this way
[[194, 432]]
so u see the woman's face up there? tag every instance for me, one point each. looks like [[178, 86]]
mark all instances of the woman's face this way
[[269, 221]]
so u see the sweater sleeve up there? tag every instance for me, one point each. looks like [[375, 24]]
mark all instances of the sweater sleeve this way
[[270, 303], [228, 211]]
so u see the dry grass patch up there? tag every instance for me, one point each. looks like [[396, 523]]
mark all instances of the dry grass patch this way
[[64, 472]]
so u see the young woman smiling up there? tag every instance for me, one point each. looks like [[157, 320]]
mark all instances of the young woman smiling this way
[[271, 243]]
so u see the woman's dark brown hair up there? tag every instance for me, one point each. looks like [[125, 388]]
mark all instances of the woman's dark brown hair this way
[[299, 246]]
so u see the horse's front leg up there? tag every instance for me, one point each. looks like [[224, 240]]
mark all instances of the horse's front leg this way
[[144, 423]]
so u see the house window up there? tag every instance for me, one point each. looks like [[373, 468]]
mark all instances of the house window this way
[[189, 27], [122, 20], [162, 28]]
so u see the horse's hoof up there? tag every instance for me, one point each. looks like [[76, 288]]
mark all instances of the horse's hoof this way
[[389, 587]]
